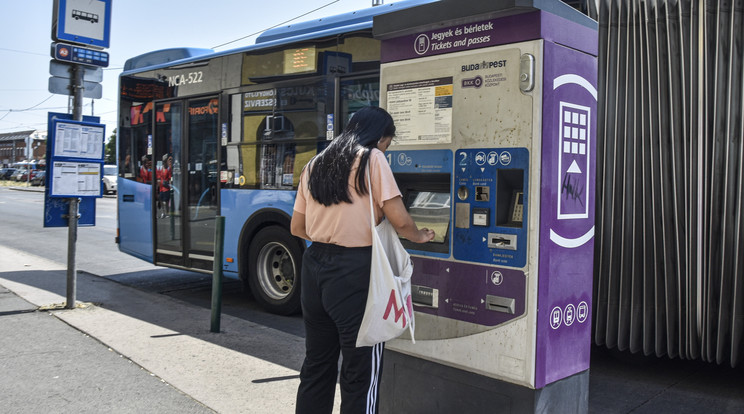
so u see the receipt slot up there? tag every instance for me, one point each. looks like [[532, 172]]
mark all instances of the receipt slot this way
[[495, 107]]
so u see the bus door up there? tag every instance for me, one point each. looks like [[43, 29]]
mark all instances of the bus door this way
[[186, 182]]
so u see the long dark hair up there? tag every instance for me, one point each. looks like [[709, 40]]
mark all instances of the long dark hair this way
[[329, 170]]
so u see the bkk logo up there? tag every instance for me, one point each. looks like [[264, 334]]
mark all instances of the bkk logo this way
[[475, 82]]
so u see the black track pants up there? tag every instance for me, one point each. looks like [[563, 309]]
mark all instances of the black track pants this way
[[335, 281]]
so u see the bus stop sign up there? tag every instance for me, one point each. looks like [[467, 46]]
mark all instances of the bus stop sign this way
[[84, 22]]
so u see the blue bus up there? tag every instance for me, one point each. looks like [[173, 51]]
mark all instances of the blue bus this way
[[204, 133]]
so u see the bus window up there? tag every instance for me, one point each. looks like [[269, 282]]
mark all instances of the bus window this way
[[135, 140], [282, 129], [277, 166], [358, 93]]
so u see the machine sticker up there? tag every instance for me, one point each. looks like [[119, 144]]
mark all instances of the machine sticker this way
[[505, 158], [567, 315], [422, 110], [497, 277], [582, 312], [480, 158], [455, 38], [329, 126], [404, 159], [556, 316], [573, 161]]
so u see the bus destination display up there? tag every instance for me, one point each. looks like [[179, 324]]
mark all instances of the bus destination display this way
[[300, 60]]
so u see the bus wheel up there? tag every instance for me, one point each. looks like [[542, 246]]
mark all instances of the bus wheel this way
[[275, 257]]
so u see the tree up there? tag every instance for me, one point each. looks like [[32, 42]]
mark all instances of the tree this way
[[110, 152]]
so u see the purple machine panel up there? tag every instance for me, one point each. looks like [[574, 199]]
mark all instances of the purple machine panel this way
[[462, 287], [566, 214], [504, 30]]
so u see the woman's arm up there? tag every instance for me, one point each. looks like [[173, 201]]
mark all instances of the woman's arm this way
[[297, 225], [403, 223]]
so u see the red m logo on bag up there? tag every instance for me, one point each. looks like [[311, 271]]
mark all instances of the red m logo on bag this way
[[393, 305]]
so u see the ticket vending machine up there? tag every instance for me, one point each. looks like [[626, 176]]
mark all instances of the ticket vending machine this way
[[495, 107]]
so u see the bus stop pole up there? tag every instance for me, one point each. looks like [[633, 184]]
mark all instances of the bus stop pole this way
[[72, 220], [76, 88], [219, 241]]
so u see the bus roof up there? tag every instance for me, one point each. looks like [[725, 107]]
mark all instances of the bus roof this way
[[313, 29]]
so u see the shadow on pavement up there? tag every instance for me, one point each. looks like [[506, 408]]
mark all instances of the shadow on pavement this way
[[240, 335]]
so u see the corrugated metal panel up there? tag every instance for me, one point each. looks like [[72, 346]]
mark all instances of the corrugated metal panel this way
[[670, 187]]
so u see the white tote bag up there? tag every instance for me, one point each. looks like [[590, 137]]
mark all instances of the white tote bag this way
[[389, 310]]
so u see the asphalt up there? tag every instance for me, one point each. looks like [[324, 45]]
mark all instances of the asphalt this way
[[124, 350]]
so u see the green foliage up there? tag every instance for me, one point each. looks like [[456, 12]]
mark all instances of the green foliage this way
[[109, 156]]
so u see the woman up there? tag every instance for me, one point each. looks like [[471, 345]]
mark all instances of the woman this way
[[332, 210]]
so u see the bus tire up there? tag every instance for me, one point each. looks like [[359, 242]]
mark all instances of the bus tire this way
[[275, 258]]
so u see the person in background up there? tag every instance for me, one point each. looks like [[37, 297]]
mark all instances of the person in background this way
[[331, 210], [145, 172], [163, 174]]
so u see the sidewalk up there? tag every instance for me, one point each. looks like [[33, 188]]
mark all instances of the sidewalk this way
[[129, 351]]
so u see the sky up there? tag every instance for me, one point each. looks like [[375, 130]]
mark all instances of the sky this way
[[137, 27]]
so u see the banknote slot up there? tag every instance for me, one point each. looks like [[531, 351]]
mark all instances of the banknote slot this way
[[425, 296]]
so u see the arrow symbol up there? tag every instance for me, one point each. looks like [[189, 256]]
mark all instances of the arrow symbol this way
[[574, 168]]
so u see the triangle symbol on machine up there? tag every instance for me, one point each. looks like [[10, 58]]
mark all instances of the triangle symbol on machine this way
[[574, 168]]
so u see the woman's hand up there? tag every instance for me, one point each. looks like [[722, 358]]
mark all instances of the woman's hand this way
[[425, 235], [403, 223]]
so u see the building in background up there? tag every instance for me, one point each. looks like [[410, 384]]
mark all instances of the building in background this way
[[22, 146]]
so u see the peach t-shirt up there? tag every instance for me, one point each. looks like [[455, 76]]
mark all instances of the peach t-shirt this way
[[348, 224]]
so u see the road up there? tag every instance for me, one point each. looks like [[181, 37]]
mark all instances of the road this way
[[21, 214]]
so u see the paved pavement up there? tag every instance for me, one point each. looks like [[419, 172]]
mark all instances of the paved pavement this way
[[124, 350], [128, 351]]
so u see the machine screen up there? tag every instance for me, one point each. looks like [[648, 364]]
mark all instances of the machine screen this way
[[430, 209]]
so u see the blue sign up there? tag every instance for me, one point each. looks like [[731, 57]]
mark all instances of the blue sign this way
[[57, 209], [82, 55], [86, 22]]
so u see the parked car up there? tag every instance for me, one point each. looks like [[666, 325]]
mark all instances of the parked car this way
[[19, 175], [6, 173], [39, 178], [110, 174], [22, 175]]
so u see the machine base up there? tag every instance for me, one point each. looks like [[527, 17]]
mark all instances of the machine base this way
[[412, 385]]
